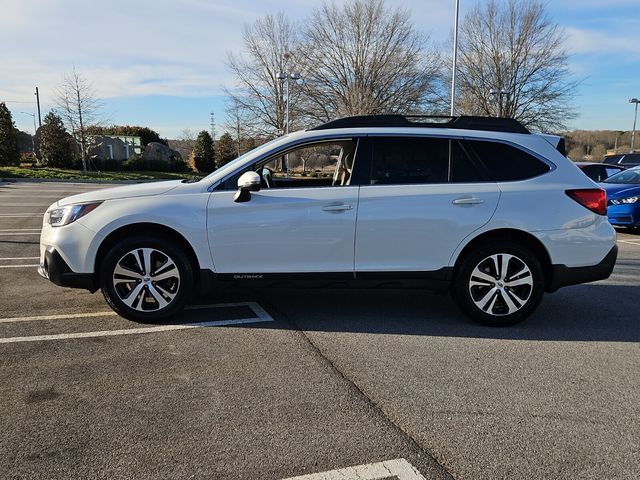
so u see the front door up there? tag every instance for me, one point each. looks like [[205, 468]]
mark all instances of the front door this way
[[302, 220]]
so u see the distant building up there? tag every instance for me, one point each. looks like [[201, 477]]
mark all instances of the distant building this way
[[114, 147]]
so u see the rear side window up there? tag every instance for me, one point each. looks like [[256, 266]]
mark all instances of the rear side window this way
[[613, 159], [506, 163], [631, 159], [402, 160]]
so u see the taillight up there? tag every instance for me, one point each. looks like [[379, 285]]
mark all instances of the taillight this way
[[595, 199]]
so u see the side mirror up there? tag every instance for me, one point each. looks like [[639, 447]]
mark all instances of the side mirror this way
[[247, 183]]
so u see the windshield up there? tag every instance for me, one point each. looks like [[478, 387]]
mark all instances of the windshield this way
[[627, 176], [228, 167]]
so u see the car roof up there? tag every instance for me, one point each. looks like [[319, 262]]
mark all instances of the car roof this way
[[608, 165]]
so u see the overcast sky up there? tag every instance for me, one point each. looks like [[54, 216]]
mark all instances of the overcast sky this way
[[161, 64]]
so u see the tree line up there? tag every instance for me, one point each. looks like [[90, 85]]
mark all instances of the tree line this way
[[358, 57], [363, 57], [56, 147]]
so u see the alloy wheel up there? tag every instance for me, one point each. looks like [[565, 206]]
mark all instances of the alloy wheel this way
[[500, 284], [146, 279]]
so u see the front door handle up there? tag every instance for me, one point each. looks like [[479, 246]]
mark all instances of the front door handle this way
[[337, 208], [468, 201]]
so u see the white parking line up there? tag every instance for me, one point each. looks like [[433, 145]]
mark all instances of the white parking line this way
[[57, 317], [20, 266], [53, 196], [261, 316], [399, 469], [20, 215], [19, 258], [130, 331], [31, 204], [19, 229], [631, 242], [18, 234]]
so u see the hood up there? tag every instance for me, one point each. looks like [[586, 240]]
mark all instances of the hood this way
[[127, 191], [620, 190]]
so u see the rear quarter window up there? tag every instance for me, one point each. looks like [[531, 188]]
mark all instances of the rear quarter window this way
[[507, 163]]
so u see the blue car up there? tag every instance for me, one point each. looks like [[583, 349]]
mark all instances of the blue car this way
[[623, 195]]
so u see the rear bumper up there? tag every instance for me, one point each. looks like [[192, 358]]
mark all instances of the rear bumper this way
[[54, 268], [562, 276]]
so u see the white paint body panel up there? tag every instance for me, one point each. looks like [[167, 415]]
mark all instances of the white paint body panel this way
[[409, 228], [183, 210], [283, 230], [418, 227]]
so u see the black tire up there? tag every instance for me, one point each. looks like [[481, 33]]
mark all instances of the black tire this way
[[500, 296], [175, 291]]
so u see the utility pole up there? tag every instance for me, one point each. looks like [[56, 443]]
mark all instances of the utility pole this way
[[38, 102], [82, 145], [213, 126], [455, 58], [633, 133]]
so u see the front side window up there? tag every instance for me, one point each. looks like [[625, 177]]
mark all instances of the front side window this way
[[626, 176], [320, 164], [612, 171], [507, 163], [406, 160]]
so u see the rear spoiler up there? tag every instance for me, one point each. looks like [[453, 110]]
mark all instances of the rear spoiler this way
[[556, 142]]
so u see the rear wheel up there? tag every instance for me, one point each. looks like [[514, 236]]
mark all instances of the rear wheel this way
[[146, 279], [499, 284]]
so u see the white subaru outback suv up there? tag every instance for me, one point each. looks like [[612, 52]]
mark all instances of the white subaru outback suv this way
[[479, 206]]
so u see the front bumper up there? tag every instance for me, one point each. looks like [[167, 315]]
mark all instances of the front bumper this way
[[562, 276], [54, 268], [624, 215]]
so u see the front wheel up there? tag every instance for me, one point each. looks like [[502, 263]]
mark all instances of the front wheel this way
[[499, 284], [146, 279]]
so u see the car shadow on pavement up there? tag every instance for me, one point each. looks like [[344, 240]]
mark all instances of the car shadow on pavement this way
[[592, 312]]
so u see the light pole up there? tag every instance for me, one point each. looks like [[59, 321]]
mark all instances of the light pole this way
[[35, 130], [285, 78], [503, 92], [633, 133], [455, 57]]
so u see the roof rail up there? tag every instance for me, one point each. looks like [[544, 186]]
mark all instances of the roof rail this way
[[491, 124]]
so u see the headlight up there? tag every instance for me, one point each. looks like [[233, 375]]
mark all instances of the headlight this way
[[70, 213], [621, 201]]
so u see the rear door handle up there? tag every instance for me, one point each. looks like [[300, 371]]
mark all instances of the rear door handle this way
[[468, 201], [337, 208]]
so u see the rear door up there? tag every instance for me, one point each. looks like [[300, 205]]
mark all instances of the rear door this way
[[424, 195]]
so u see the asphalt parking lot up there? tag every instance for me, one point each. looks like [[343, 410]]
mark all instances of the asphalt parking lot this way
[[383, 384]]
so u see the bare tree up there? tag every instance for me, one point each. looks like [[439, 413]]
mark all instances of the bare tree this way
[[365, 58], [185, 143], [79, 108], [269, 46], [513, 46], [236, 122]]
